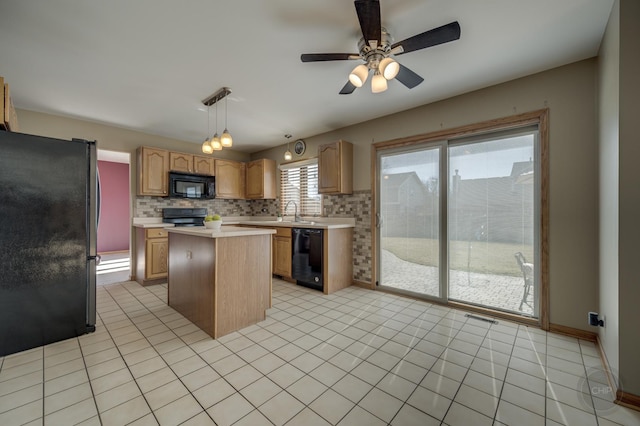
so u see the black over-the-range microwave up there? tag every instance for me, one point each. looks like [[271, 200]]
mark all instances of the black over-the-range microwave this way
[[189, 185]]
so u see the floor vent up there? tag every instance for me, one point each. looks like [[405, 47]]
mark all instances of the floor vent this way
[[481, 318]]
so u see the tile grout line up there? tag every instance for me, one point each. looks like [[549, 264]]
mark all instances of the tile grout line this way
[[160, 355]]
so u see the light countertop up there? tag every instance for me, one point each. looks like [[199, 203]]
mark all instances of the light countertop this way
[[224, 232], [311, 222]]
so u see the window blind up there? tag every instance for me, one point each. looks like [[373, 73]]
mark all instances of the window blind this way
[[299, 183]]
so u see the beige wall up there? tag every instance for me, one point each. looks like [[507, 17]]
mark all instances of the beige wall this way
[[110, 138], [608, 115], [629, 205], [569, 93]]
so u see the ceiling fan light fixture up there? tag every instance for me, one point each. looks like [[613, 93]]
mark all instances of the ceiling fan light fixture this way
[[389, 68], [378, 83], [359, 75]]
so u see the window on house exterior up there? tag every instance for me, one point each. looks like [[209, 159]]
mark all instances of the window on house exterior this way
[[299, 183]]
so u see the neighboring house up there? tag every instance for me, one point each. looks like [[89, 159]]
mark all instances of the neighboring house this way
[[409, 208]]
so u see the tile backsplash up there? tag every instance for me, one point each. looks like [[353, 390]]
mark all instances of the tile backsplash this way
[[356, 205], [152, 206]]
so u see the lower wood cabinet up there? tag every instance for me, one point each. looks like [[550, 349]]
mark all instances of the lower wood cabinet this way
[[282, 252], [152, 251]]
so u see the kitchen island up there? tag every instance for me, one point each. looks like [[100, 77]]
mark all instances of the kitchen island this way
[[220, 280]]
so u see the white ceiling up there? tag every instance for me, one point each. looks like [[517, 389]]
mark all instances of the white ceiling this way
[[146, 65]]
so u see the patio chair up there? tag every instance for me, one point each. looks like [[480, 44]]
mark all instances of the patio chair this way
[[527, 273]]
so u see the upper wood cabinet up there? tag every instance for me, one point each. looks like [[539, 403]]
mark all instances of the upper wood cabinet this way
[[261, 179], [335, 168], [189, 163], [204, 165], [230, 179], [179, 162], [153, 168]]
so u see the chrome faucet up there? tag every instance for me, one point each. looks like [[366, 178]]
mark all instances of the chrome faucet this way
[[296, 218]]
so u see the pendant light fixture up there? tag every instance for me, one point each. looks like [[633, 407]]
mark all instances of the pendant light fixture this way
[[216, 143], [226, 139], [287, 155], [215, 140], [206, 146]]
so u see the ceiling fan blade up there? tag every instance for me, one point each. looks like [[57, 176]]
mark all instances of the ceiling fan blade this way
[[408, 77], [316, 57], [434, 37], [348, 89], [369, 16]]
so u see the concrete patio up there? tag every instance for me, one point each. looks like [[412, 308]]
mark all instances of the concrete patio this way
[[498, 291]]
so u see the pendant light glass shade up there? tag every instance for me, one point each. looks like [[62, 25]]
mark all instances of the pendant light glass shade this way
[[389, 68], [287, 155], [226, 140], [215, 143], [359, 75], [206, 147], [378, 83]]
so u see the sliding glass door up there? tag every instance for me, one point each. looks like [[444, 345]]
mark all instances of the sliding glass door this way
[[460, 220], [408, 220], [492, 223]]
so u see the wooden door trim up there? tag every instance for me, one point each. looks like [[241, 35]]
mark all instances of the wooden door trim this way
[[538, 117]]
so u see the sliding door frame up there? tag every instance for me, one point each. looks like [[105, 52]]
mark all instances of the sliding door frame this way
[[539, 118]]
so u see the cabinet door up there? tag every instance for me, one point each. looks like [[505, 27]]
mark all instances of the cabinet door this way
[[335, 168], [282, 256], [204, 165], [229, 179], [157, 257], [329, 168], [261, 179], [153, 168], [180, 162], [255, 179]]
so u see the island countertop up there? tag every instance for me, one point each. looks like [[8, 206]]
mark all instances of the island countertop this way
[[224, 232]]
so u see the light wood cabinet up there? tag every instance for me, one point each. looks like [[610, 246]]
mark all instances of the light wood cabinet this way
[[282, 252], [204, 165], [335, 168], [189, 163], [230, 179], [152, 250], [179, 162], [210, 284], [261, 179], [153, 168]]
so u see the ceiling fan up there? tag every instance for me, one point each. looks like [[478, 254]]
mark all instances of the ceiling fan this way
[[376, 49]]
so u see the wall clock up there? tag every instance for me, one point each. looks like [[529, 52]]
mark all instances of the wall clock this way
[[299, 147]]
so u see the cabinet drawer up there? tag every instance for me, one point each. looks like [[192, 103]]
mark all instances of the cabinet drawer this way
[[282, 231], [156, 233]]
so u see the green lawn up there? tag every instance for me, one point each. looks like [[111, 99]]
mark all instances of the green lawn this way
[[488, 258]]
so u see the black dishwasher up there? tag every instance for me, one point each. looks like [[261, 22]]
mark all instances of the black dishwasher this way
[[306, 261]]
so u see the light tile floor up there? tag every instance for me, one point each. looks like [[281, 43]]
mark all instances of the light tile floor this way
[[356, 357]]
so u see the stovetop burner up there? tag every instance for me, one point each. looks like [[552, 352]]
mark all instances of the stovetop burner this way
[[184, 216]]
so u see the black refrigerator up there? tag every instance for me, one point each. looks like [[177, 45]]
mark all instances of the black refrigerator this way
[[48, 223]]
